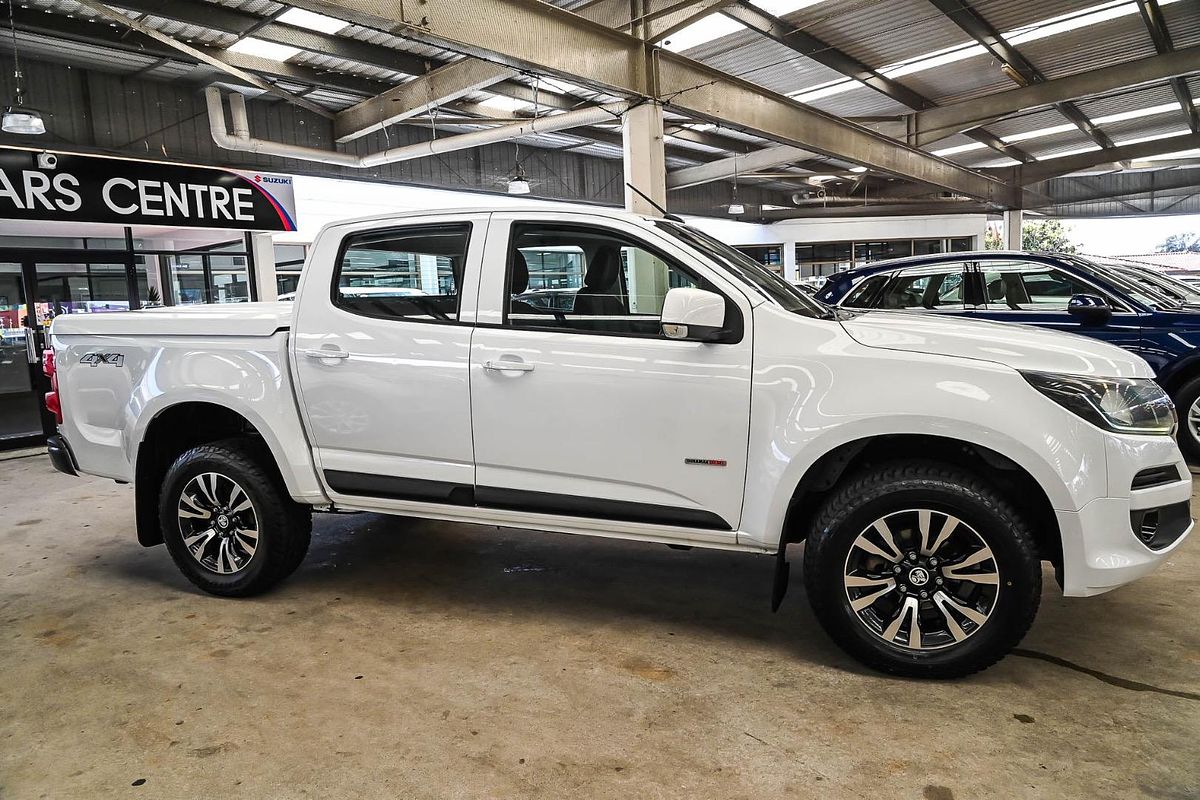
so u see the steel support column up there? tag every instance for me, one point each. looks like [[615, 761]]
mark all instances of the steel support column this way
[[1012, 229], [645, 163]]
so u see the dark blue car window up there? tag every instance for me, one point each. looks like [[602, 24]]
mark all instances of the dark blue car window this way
[[1030, 286], [937, 287], [865, 294]]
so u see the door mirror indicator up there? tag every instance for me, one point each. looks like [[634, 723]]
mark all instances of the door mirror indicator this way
[[693, 315], [1089, 309]]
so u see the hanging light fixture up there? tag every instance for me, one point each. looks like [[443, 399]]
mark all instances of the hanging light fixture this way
[[17, 118], [735, 208], [518, 183]]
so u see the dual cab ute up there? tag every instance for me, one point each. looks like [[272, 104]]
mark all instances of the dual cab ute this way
[[687, 396]]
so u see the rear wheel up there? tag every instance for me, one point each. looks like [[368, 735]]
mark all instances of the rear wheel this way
[[228, 523], [922, 569]]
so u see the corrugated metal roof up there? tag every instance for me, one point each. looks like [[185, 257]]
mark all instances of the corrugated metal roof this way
[[886, 33], [1145, 97], [1027, 123], [765, 62], [1009, 15], [862, 101], [1091, 47], [1183, 22], [962, 80]]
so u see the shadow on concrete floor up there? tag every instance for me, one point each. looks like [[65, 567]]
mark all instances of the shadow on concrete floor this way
[[569, 580]]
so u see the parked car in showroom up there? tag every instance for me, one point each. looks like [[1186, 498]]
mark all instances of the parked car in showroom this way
[[689, 397], [1103, 299]]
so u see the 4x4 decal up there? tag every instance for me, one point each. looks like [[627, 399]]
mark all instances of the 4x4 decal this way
[[109, 359]]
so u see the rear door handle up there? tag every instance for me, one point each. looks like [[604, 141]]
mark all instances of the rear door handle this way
[[326, 353], [508, 366]]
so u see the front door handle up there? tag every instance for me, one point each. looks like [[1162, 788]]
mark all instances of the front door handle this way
[[508, 366], [321, 353]]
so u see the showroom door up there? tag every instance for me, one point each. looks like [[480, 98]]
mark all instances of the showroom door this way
[[582, 407], [35, 287], [20, 407]]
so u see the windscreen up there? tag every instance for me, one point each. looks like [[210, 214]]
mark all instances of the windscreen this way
[[761, 280]]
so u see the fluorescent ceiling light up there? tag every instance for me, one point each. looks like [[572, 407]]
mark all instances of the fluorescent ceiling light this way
[[858, 169], [1040, 132], [1169, 156], [1152, 137], [559, 85], [263, 49], [780, 8], [826, 90], [1078, 150], [962, 148], [312, 21], [706, 29], [1165, 108], [502, 103]]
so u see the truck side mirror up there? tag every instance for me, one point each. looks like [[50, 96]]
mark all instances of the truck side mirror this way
[[1089, 309], [694, 315]]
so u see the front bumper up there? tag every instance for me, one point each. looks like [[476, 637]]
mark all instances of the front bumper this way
[[60, 455], [1102, 548]]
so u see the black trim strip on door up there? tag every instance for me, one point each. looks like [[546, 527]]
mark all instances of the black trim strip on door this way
[[461, 494], [389, 486]]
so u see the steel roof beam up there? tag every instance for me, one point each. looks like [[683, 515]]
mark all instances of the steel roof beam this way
[[1157, 26], [205, 56], [827, 55], [733, 167], [549, 39], [877, 210], [56, 26], [974, 25], [444, 85], [237, 22], [938, 123], [1170, 181], [1027, 174]]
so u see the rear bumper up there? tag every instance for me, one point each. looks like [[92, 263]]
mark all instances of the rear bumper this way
[[60, 455]]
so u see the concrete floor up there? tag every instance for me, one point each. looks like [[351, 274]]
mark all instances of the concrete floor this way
[[412, 659]]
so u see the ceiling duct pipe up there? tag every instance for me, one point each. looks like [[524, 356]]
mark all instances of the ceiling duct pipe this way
[[804, 201], [241, 140]]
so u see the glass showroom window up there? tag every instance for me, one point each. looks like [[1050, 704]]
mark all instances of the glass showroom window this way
[[769, 255], [289, 261], [204, 278]]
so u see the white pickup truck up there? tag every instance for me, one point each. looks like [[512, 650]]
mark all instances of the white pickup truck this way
[[683, 395]]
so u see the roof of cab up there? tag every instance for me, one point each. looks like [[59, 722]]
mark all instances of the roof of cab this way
[[941, 258], [597, 211]]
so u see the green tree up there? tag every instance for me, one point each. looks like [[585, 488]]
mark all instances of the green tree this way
[[992, 240], [1049, 235], [1180, 243]]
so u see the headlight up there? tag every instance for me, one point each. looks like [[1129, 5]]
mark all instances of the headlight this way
[[1124, 405]]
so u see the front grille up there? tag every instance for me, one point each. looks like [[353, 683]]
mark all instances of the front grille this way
[[1161, 527], [1155, 476]]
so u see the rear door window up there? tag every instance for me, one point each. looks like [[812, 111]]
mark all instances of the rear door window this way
[[1030, 286], [940, 288], [408, 273]]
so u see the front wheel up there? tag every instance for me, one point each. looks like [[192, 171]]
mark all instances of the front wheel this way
[[1187, 405], [228, 523], [922, 569]]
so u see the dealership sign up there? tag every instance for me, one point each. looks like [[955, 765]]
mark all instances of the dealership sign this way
[[39, 185]]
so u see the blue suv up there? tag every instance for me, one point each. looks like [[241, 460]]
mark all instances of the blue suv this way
[[1134, 307]]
